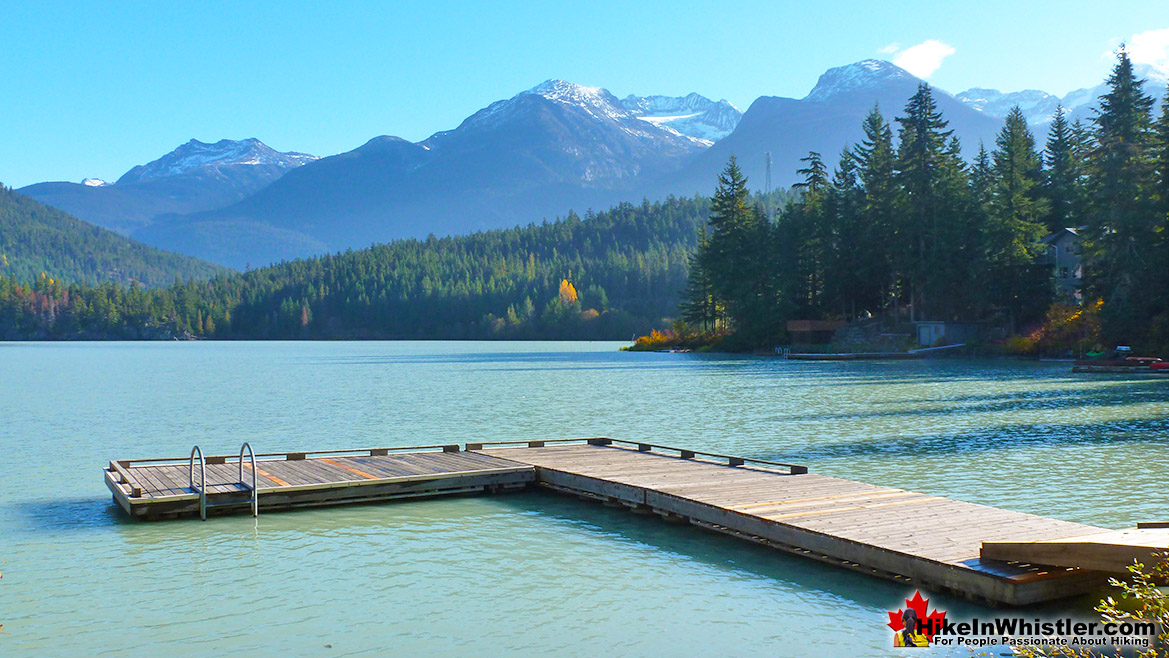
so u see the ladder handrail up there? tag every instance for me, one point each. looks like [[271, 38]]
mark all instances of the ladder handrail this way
[[202, 480], [253, 487]]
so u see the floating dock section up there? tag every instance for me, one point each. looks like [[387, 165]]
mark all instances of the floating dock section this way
[[915, 538], [1107, 550]]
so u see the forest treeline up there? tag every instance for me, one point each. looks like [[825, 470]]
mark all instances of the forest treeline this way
[[906, 229], [35, 239], [607, 275]]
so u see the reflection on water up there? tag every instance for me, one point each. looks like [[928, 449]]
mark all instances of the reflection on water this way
[[524, 574]]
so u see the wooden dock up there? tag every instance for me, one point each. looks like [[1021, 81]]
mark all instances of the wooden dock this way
[[170, 488], [918, 539]]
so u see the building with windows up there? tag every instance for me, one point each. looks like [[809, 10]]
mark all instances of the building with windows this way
[[1064, 255]]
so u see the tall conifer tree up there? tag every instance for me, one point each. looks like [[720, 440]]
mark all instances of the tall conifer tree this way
[[878, 227], [933, 200], [1014, 224], [1122, 225], [1063, 179]]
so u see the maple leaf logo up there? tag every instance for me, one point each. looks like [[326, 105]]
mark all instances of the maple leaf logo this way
[[928, 624]]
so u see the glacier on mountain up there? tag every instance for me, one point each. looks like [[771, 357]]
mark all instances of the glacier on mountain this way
[[693, 115]]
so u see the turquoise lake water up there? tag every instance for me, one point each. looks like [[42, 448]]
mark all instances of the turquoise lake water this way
[[527, 574]]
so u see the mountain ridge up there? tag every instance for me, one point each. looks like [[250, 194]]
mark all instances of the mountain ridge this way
[[193, 177]]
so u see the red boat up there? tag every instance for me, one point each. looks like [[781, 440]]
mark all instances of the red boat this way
[[1119, 361]]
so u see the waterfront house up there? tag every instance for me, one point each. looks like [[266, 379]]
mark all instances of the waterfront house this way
[[1063, 253]]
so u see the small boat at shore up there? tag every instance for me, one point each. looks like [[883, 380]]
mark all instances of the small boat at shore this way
[[1120, 361]]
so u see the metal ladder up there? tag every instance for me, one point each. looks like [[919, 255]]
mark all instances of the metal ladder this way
[[202, 488]]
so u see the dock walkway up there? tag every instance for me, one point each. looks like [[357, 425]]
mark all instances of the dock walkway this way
[[916, 538]]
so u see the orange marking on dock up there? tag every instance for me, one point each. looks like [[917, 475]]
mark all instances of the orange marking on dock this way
[[350, 469], [268, 475]]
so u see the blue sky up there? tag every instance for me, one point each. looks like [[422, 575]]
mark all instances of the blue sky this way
[[91, 89]]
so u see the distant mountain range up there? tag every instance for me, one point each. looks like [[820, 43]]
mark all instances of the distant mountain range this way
[[545, 150], [196, 176], [1039, 106], [538, 154]]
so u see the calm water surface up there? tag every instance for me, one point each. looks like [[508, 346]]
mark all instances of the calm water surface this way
[[526, 574]]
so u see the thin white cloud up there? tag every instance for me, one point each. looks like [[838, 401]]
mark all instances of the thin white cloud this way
[[924, 58], [1150, 47], [890, 49]]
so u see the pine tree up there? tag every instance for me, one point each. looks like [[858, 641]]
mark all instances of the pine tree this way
[[878, 227], [1013, 225], [1161, 157], [737, 259], [846, 282], [982, 178], [932, 203], [1159, 272], [806, 227], [815, 174], [1122, 225], [1063, 179], [1017, 202], [699, 306]]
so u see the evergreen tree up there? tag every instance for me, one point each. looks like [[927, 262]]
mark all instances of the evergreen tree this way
[[1161, 157], [1017, 202], [815, 174], [1063, 180], [982, 178], [737, 259], [1159, 272], [1122, 225], [933, 200], [1013, 225], [806, 227], [699, 306], [847, 286], [878, 227]]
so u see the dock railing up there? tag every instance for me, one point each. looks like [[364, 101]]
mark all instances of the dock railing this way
[[292, 455], [641, 446], [684, 453]]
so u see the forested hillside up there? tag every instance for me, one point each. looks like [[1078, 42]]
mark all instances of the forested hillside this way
[[608, 275], [36, 239], [906, 229]]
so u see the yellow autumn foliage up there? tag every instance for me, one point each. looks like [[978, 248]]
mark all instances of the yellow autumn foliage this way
[[567, 292]]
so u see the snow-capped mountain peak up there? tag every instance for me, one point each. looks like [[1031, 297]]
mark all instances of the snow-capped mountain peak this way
[[594, 140], [864, 74], [94, 182], [693, 115], [196, 155], [595, 101], [571, 93]]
